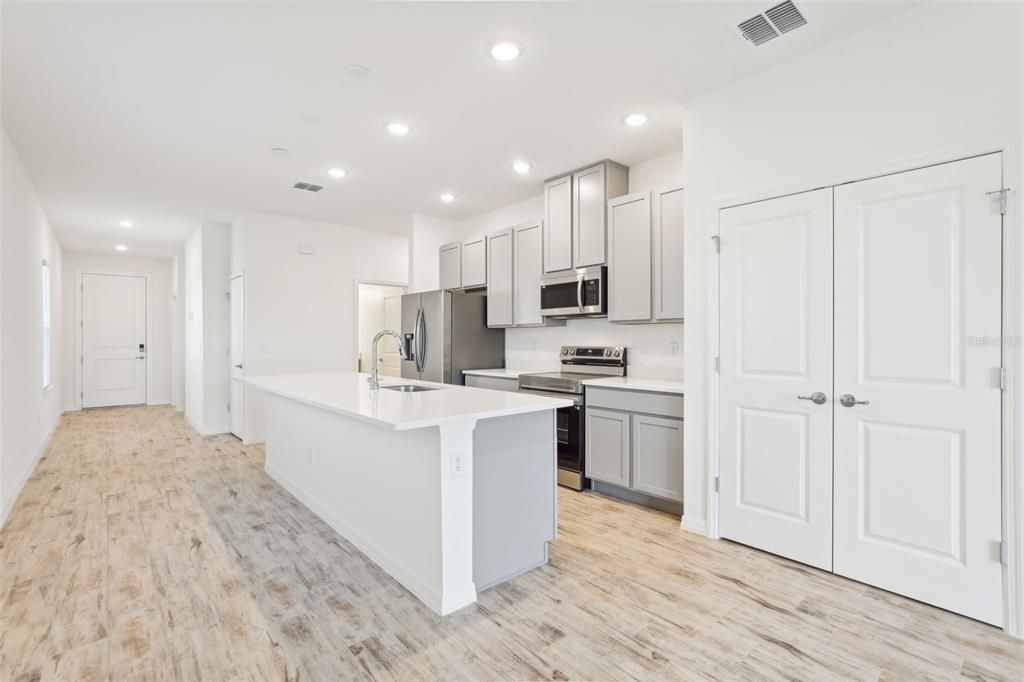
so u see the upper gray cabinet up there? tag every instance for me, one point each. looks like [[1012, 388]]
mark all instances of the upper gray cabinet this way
[[629, 258], [514, 268], [500, 283], [474, 263], [558, 224], [645, 257], [668, 254], [450, 266], [575, 215]]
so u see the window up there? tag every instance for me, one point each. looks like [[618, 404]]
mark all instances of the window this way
[[47, 329]]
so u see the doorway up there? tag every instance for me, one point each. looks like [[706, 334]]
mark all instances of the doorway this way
[[379, 306], [112, 328], [860, 418]]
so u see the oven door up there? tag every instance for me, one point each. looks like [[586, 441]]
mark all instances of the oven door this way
[[569, 437], [578, 293]]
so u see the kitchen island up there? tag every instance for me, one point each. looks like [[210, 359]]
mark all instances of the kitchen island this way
[[450, 489]]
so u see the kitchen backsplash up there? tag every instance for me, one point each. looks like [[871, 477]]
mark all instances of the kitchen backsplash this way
[[654, 350]]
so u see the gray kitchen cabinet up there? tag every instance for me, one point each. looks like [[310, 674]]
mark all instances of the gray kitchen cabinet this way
[[591, 190], [668, 255], [607, 446], [494, 383], [575, 215], [629, 258], [450, 267], [500, 282], [558, 224], [657, 456], [474, 263]]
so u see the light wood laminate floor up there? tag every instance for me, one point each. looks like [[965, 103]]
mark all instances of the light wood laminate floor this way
[[140, 551]]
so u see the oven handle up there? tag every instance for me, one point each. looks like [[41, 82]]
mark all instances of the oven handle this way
[[579, 292], [577, 400]]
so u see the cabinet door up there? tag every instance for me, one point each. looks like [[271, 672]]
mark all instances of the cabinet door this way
[[668, 254], [474, 263], [607, 446], [588, 217], [558, 224], [450, 276], [500, 263], [629, 258], [527, 274], [658, 456]]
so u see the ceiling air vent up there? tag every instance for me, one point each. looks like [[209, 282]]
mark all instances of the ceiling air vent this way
[[308, 186], [781, 18]]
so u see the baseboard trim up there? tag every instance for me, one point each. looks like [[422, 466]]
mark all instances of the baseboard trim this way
[[430, 596], [9, 504], [695, 525]]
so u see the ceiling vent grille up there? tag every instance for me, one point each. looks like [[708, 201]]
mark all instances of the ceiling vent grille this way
[[308, 186], [781, 18], [785, 17]]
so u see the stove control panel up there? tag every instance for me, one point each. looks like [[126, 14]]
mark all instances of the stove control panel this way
[[594, 355]]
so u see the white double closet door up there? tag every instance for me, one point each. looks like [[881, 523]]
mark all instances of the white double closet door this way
[[883, 297]]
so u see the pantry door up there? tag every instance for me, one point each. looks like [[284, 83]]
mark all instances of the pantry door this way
[[917, 457], [775, 457]]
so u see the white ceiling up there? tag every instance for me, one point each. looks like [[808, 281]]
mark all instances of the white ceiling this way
[[166, 113]]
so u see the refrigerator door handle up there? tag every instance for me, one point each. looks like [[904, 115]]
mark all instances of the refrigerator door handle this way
[[421, 341]]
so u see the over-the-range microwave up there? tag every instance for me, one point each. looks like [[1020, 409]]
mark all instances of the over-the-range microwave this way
[[582, 292]]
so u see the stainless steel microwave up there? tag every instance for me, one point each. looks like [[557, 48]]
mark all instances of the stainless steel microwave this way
[[576, 293]]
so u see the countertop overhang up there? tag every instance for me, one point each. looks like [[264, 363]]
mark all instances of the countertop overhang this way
[[349, 394]]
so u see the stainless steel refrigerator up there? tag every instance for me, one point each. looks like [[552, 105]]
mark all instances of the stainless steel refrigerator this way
[[446, 332]]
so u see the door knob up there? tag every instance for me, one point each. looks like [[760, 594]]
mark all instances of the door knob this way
[[238, 366], [140, 357], [818, 398], [848, 400]]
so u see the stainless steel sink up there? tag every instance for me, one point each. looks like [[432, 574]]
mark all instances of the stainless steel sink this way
[[409, 388]]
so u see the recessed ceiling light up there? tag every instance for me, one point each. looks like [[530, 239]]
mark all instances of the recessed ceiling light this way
[[398, 129], [337, 173], [279, 151], [126, 223], [521, 167], [505, 51], [357, 71], [121, 247], [447, 197], [636, 120]]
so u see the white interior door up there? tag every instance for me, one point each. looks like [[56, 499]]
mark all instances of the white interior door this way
[[775, 462], [917, 466], [238, 356], [391, 361], [113, 340]]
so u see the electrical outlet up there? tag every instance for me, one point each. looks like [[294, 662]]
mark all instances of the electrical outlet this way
[[264, 350], [458, 465], [673, 347], [309, 456]]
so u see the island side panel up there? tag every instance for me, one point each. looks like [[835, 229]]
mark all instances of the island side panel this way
[[378, 488], [514, 496]]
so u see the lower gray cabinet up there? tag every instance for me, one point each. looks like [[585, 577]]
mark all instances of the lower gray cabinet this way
[[607, 450], [658, 456]]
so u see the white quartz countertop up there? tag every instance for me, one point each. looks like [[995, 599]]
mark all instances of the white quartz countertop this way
[[502, 373], [348, 394], [635, 384]]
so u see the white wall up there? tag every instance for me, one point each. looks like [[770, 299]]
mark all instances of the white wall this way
[[178, 330], [158, 380], [28, 414], [426, 236], [300, 311], [932, 78], [193, 329]]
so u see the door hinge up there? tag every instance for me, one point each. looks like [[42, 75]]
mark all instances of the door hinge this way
[[1004, 553], [718, 243], [81, 323], [1004, 198], [716, 484], [718, 364], [1004, 380], [229, 407]]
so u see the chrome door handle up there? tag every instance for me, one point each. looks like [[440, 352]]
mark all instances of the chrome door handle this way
[[818, 398], [140, 357], [238, 366], [848, 400], [579, 292]]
